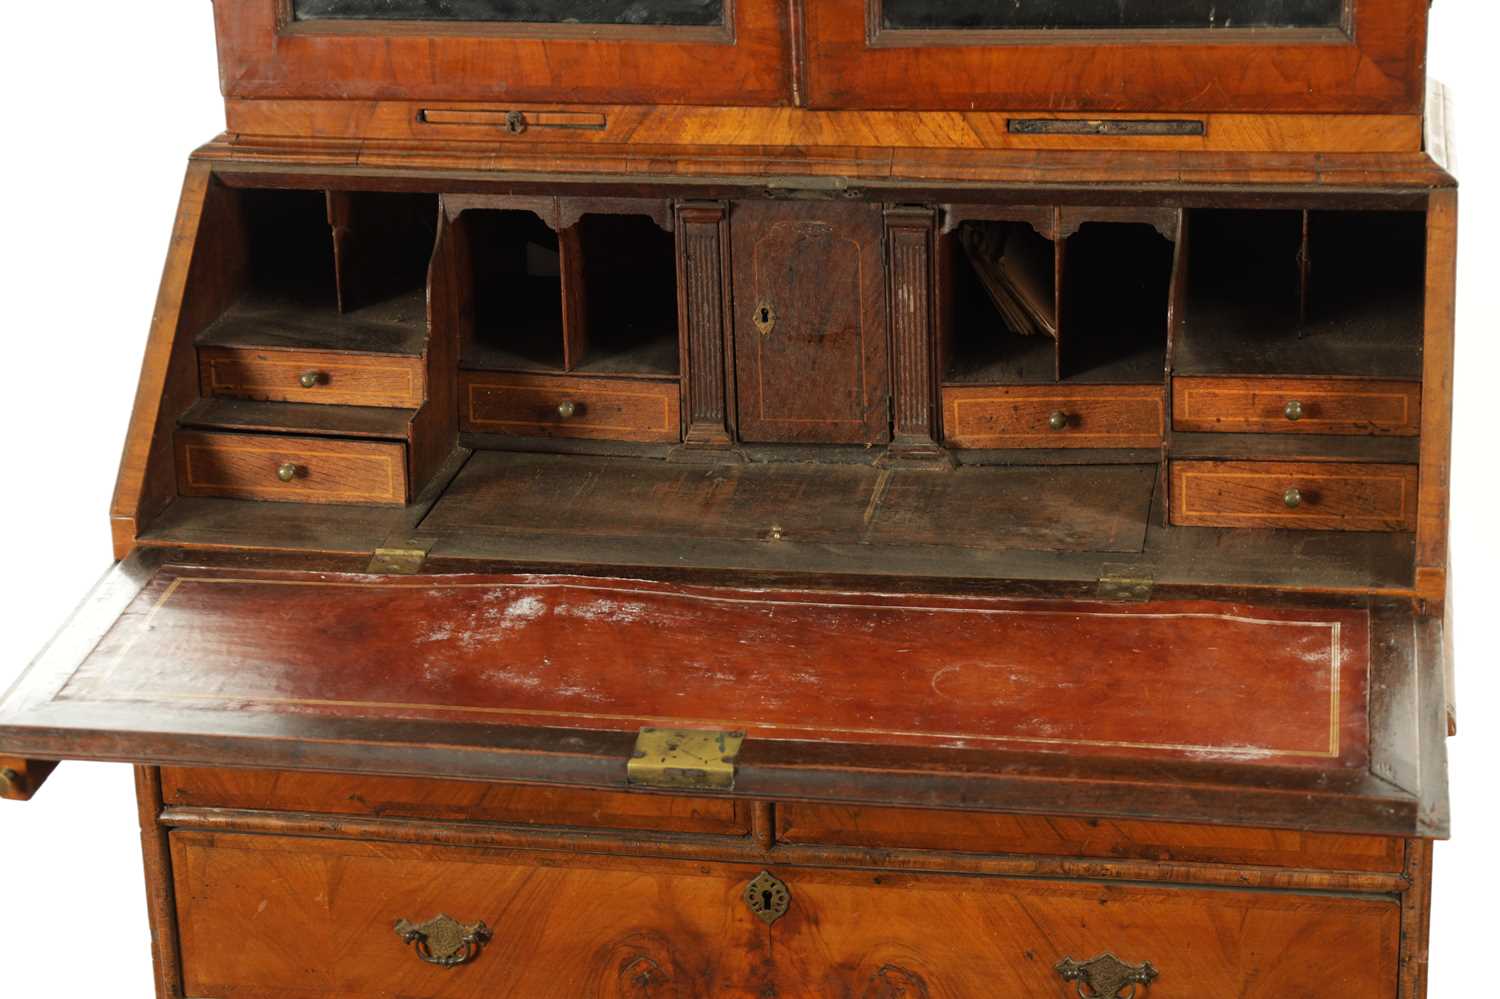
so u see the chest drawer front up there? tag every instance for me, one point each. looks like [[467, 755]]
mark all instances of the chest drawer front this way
[[312, 376], [1297, 406], [315, 917], [1103, 839], [290, 469], [1308, 495], [449, 800], [1104, 416], [523, 405]]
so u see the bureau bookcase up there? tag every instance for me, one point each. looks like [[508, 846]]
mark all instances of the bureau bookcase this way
[[741, 498]]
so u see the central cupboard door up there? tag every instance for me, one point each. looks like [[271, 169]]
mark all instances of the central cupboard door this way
[[810, 324]]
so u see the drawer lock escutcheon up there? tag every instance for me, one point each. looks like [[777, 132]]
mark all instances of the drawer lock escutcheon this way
[[768, 897], [444, 941], [1106, 976], [684, 758]]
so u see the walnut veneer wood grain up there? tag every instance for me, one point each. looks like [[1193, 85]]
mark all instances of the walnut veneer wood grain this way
[[314, 916], [1321, 405], [1060, 836], [527, 405], [446, 800], [1330, 497], [250, 466], [337, 378], [1020, 416]]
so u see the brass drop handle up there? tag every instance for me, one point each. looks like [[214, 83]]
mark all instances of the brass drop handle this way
[[567, 408], [1058, 420], [286, 471], [1292, 498], [1106, 976], [443, 940], [1293, 411], [310, 379]]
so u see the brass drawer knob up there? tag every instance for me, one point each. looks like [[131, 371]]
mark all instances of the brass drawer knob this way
[[1058, 420], [1292, 498], [1293, 411], [443, 940], [567, 408], [1106, 976], [286, 471], [10, 782], [310, 379]]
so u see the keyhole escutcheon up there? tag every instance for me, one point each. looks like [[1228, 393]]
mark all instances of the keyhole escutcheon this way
[[765, 318]]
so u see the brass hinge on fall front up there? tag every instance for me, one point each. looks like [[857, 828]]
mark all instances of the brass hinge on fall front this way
[[397, 561], [1125, 585], [695, 759]]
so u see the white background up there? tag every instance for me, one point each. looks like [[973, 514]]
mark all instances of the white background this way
[[102, 104]]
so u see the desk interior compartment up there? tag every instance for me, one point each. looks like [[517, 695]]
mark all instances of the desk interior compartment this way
[[1316, 294]]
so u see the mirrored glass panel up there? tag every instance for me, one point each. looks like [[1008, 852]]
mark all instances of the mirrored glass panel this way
[[670, 13], [1111, 14]]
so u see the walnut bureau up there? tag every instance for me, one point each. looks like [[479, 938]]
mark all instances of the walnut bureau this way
[[787, 498]]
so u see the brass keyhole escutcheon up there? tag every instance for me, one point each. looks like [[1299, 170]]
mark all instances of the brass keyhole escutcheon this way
[[768, 897], [765, 319]]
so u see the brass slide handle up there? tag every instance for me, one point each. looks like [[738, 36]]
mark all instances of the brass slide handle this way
[[444, 941], [1106, 976]]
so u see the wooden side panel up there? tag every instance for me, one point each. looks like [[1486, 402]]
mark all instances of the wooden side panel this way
[[810, 323], [1060, 836], [161, 898], [316, 916], [1343, 497], [465, 801], [1437, 390], [196, 286], [1296, 406], [434, 430], [249, 466]]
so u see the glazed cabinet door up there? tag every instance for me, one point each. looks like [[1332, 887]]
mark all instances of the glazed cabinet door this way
[[810, 323], [447, 51], [1327, 56]]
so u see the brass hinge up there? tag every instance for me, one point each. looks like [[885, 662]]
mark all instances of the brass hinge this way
[[1125, 585], [684, 758], [397, 561]]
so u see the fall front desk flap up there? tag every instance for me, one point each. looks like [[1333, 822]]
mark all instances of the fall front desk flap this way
[[1303, 714]]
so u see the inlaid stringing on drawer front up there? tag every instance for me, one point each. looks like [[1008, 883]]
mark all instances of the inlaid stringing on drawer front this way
[[550, 406], [312, 376], [1124, 416], [1312, 496], [1297, 405], [290, 469]]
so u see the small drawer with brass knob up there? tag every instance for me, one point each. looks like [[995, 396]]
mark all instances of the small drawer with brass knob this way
[[290, 469], [525, 405], [342, 379], [1326, 496], [1025, 416], [1344, 406]]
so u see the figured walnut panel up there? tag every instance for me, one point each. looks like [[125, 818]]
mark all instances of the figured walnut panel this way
[[810, 320], [449, 800], [248, 466], [1324, 406], [551, 406], [315, 917], [1020, 416], [338, 378], [1105, 839], [1333, 497]]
